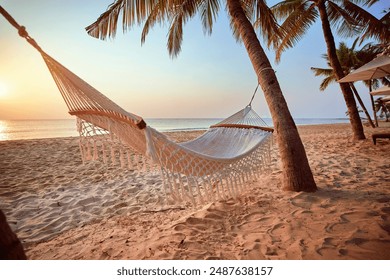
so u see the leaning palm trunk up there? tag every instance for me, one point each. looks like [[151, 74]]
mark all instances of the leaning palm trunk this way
[[10, 246], [297, 175], [362, 105], [353, 113]]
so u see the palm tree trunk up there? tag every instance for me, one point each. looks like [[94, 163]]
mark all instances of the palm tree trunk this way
[[10, 246], [354, 118], [362, 104], [297, 175]]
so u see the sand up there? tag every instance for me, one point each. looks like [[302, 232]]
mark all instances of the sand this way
[[62, 209]]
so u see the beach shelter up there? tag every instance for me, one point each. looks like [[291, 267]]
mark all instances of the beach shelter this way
[[381, 91], [377, 68], [386, 99]]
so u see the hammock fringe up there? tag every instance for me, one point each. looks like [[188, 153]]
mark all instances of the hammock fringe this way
[[195, 187]]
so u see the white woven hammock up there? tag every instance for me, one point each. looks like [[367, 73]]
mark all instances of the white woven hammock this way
[[211, 167], [214, 166]]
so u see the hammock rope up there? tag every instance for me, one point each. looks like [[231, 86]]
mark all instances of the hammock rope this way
[[214, 166]]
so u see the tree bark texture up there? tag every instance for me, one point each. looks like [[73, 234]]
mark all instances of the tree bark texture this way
[[297, 175], [356, 123]]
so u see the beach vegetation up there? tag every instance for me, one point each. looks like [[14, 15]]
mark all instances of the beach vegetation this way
[[347, 18], [296, 172], [351, 59], [383, 108]]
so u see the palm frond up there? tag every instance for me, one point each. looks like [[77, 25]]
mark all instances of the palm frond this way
[[106, 25], [267, 24], [158, 14], [175, 36], [132, 11], [367, 3], [346, 25], [249, 7], [209, 10], [329, 76], [322, 71], [295, 26], [355, 42], [326, 82], [284, 8], [181, 12], [369, 25]]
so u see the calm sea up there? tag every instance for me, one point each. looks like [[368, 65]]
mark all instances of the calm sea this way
[[35, 129]]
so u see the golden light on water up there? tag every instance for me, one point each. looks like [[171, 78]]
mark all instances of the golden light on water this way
[[3, 127]]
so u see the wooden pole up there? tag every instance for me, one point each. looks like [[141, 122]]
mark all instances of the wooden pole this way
[[373, 105]]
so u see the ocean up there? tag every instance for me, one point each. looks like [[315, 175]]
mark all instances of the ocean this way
[[36, 129]]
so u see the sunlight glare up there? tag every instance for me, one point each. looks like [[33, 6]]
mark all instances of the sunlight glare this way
[[3, 89], [3, 130]]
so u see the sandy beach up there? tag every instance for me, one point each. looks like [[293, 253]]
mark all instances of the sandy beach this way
[[62, 209]]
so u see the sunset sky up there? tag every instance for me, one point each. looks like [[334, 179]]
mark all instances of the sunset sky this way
[[212, 76]]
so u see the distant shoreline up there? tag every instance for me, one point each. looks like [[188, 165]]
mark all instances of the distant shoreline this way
[[43, 129]]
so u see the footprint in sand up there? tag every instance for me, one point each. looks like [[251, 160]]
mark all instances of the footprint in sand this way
[[280, 232], [260, 225], [301, 213], [347, 223], [328, 249], [304, 200]]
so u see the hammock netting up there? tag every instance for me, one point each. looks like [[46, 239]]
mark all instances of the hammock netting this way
[[214, 166], [217, 165]]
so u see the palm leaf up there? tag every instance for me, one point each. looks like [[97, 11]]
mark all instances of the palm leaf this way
[[322, 71], [346, 25], [209, 10], [295, 26], [133, 11], [181, 12], [283, 9], [159, 13], [369, 25], [175, 36], [326, 82], [266, 23], [329, 76], [106, 25]]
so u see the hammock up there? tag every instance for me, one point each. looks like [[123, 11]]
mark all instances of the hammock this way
[[214, 166]]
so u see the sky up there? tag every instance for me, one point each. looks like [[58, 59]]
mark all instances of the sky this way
[[211, 78]]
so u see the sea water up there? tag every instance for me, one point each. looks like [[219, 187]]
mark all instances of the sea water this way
[[36, 129]]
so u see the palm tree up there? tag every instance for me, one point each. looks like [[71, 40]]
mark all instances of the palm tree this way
[[10, 246], [349, 59], [383, 108], [299, 15], [296, 171]]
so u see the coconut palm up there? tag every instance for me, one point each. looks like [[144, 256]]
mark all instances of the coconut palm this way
[[295, 167], [350, 59], [299, 15], [383, 108]]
